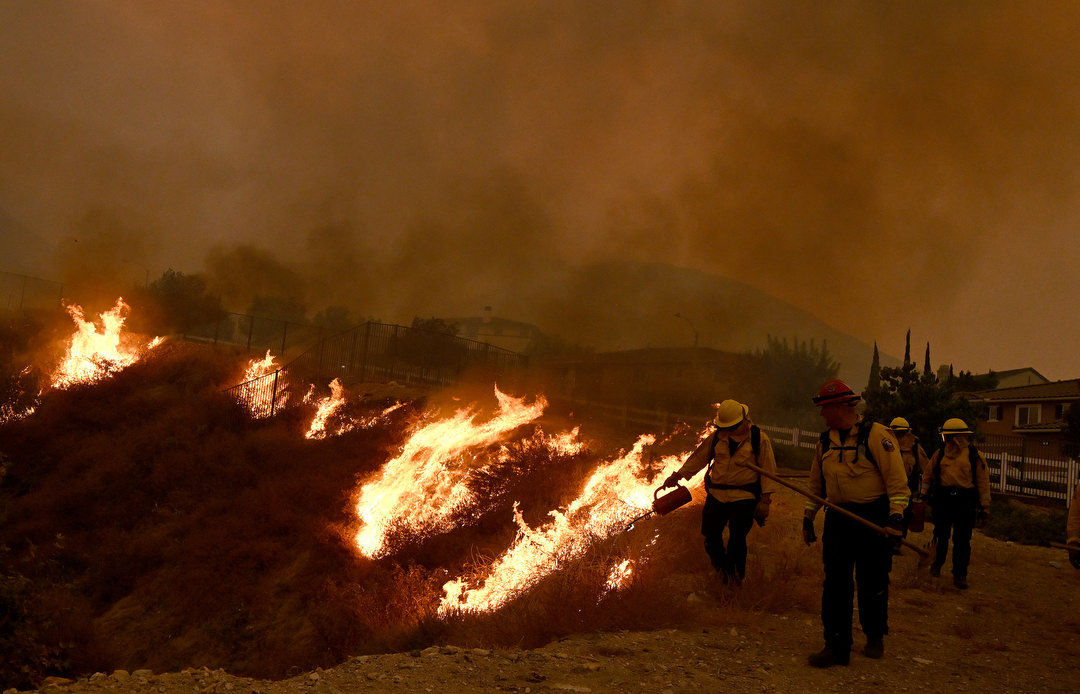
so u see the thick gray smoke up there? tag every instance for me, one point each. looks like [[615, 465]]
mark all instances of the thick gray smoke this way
[[883, 165]]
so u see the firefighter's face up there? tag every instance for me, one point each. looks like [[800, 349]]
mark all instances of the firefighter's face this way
[[838, 415], [958, 440], [739, 431]]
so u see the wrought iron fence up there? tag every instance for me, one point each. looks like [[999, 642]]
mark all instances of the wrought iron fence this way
[[377, 352], [25, 293]]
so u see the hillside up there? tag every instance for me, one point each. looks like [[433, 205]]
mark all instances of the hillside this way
[[628, 305], [149, 526], [1010, 632]]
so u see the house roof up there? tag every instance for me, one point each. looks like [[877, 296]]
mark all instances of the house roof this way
[[1063, 391], [1014, 372]]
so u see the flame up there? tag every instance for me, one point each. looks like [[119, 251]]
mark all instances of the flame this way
[[326, 407], [616, 493], [10, 411], [619, 575], [260, 367], [424, 486], [260, 400], [329, 408], [96, 353]]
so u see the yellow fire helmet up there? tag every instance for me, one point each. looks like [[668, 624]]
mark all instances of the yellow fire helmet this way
[[899, 424], [954, 426], [730, 414]]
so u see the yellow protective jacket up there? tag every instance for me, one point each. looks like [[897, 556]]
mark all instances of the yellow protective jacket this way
[[915, 458], [849, 476], [951, 467], [729, 468], [1072, 529]]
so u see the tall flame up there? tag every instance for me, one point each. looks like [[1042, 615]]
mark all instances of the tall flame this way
[[261, 400], [328, 410], [424, 486], [616, 493], [95, 353], [325, 408]]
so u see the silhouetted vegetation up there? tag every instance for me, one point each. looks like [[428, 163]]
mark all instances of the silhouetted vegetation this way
[[791, 374], [919, 397]]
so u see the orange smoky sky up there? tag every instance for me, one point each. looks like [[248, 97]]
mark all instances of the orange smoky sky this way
[[884, 166]]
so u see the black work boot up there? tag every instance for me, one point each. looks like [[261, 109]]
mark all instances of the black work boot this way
[[828, 656], [960, 582], [875, 647]]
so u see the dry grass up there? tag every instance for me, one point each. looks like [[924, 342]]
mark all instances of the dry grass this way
[[190, 543]]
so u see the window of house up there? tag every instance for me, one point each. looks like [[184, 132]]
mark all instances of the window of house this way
[[993, 413], [1027, 414], [1060, 409]]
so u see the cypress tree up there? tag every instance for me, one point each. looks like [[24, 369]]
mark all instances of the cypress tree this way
[[874, 382]]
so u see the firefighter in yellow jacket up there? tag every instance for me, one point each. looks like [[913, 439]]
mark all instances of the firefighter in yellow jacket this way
[[958, 486], [1072, 529], [737, 495], [857, 466], [915, 460]]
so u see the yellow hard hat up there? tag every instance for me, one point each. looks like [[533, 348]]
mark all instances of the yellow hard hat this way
[[899, 424], [730, 414], [953, 426]]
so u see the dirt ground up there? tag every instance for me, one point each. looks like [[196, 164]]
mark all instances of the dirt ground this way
[[1016, 629]]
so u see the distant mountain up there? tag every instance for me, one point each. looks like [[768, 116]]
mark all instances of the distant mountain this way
[[627, 305]]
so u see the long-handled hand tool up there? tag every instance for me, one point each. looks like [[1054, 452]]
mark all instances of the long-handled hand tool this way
[[923, 554]]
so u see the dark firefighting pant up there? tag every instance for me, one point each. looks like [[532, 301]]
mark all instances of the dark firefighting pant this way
[[954, 513], [855, 556], [715, 516]]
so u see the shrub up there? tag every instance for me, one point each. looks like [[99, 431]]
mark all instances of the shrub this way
[[1019, 522]]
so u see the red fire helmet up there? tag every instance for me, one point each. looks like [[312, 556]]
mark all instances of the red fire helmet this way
[[836, 391]]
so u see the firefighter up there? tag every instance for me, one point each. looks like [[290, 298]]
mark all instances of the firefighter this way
[[1072, 529], [856, 466], [737, 496], [915, 461], [956, 483]]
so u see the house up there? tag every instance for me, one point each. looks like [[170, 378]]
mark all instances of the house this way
[[673, 379], [1033, 412], [512, 335], [1026, 376]]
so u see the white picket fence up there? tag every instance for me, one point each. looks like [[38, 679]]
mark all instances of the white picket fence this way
[[1009, 474]]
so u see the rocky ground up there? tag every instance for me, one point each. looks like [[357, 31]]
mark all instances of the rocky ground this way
[[1015, 629]]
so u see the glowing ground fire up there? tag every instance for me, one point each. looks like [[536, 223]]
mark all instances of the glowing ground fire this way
[[328, 420], [426, 486], [423, 487], [616, 493], [96, 352]]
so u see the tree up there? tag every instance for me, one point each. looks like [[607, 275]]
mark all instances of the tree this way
[[431, 342], [791, 374], [919, 398], [967, 382], [874, 382], [334, 319], [184, 301], [926, 364]]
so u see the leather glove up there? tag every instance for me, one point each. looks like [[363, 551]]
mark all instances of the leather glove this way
[[1074, 554], [808, 534], [761, 511], [982, 518], [895, 530], [672, 480]]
